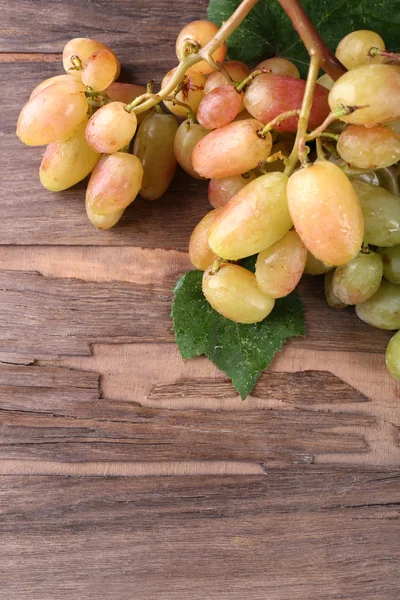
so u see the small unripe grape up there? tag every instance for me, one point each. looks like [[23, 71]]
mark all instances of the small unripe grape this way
[[82, 48], [100, 70], [330, 296], [237, 72], [391, 263], [383, 309], [103, 221], [219, 107], [57, 79], [191, 93], [111, 128], [199, 33], [186, 137], [393, 356], [231, 150], [353, 49], [280, 267], [357, 281], [315, 266], [279, 66], [234, 293], [200, 254], [381, 211], [369, 147], [220, 191], [254, 219]]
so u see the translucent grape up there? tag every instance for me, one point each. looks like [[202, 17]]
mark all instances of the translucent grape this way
[[270, 95], [353, 49], [383, 309], [315, 266], [67, 161], [219, 107], [82, 48], [199, 33], [191, 94], [114, 183], [280, 267], [52, 113], [279, 66], [231, 150], [391, 263], [254, 219], [220, 191], [394, 126], [381, 211], [326, 81], [326, 212], [199, 251], [100, 70], [154, 145], [373, 88], [234, 293], [331, 298], [357, 281], [111, 128], [393, 356], [369, 147], [237, 72], [186, 137], [103, 221], [56, 79]]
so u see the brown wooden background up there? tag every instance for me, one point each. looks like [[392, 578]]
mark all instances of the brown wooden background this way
[[126, 473]]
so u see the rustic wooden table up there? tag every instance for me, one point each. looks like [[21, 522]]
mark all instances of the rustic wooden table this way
[[126, 473]]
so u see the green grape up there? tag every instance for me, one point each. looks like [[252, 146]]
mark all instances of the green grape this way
[[315, 266], [103, 222], [353, 49], [254, 219], [331, 298], [393, 356], [383, 309], [200, 254], [326, 81], [234, 293], [357, 281], [369, 147], [381, 211], [186, 137], [391, 263]]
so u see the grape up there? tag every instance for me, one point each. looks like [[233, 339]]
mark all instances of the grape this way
[[391, 263], [353, 49], [315, 266], [219, 107], [56, 79], [52, 113], [231, 150], [186, 137], [82, 48], [254, 219], [114, 183], [381, 211], [270, 95], [331, 298], [373, 88], [103, 221], [280, 267], [191, 94], [67, 161], [326, 81], [383, 309], [220, 191], [100, 70], [111, 128], [393, 356], [124, 92], [154, 145], [394, 126], [369, 147], [326, 212], [357, 281], [237, 72], [199, 251], [278, 66], [200, 33], [234, 293]]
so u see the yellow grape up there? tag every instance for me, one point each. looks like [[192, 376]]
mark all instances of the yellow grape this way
[[393, 356], [234, 293], [52, 113], [191, 94], [220, 191], [280, 267], [114, 183], [326, 212], [103, 221], [353, 49], [126, 92], [331, 298], [315, 266], [254, 219], [231, 150], [233, 71], [369, 147], [199, 251], [82, 48], [111, 128], [56, 79], [67, 161], [219, 107], [186, 137], [381, 211], [154, 145], [373, 88], [326, 81], [278, 66], [394, 126], [100, 70], [199, 33]]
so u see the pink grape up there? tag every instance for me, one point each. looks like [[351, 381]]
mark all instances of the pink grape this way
[[111, 128], [220, 191], [100, 70], [219, 107]]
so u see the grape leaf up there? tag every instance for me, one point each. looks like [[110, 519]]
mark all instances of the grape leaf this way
[[267, 31], [242, 351]]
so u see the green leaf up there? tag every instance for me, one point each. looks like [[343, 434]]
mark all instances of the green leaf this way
[[242, 351], [267, 31]]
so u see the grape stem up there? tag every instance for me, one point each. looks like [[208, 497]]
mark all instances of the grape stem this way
[[243, 83], [377, 52], [277, 121], [341, 111]]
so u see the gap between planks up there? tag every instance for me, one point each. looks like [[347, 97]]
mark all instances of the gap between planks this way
[[13, 57]]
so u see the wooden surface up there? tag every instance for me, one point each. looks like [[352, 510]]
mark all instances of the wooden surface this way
[[126, 473]]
